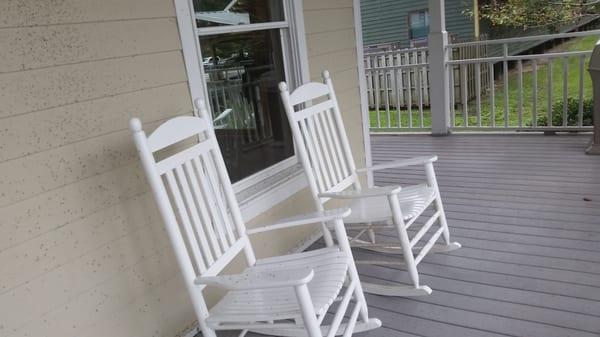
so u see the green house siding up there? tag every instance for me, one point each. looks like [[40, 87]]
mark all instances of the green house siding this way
[[386, 21]]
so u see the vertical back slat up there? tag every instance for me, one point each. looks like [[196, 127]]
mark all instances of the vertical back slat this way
[[206, 188], [334, 155], [193, 211], [205, 230], [336, 142], [312, 154], [219, 195], [185, 221], [327, 155], [320, 160], [208, 226]]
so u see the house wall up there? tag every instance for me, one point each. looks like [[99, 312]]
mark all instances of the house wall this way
[[386, 21], [82, 250]]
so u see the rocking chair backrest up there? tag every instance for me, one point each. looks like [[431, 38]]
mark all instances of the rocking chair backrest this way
[[321, 139], [194, 195]]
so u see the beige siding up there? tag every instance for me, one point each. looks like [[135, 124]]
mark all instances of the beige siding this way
[[82, 251]]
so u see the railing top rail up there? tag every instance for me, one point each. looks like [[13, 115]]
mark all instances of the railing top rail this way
[[521, 57], [399, 66], [525, 38], [387, 52]]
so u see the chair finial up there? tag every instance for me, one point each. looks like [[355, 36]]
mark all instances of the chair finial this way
[[135, 125], [325, 74], [283, 86]]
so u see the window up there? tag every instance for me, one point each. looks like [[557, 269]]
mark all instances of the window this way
[[236, 52], [244, 49], [418, 25]]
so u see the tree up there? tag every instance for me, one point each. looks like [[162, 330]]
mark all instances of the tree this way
[[526, 14]]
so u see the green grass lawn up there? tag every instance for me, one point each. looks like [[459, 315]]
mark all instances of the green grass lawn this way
[[579, 44]]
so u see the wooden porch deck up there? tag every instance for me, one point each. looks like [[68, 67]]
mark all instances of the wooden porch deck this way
[[526, 209]]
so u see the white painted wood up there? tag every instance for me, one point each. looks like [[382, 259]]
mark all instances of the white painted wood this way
[[203, 221], [438, 69], [401, 207]]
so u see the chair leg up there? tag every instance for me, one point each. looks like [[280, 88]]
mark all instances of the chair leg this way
[[432, 182], [371, 233], [409, 260], [308, 311]]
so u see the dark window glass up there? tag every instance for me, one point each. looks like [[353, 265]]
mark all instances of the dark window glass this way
[[231, 12], [242, 71], [418, 25]]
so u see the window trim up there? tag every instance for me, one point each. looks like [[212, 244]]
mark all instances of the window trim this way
[[264, 193]]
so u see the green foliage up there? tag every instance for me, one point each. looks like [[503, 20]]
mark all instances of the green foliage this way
[[526, 14], [572, 113]]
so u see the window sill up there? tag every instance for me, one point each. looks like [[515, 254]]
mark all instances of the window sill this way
[[265, 189]]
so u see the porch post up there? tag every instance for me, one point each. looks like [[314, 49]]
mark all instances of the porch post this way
[[594, 69], [438, 71]]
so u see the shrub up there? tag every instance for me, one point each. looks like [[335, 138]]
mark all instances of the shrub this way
[[572, 113]]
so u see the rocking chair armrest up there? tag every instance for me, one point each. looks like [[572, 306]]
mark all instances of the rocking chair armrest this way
[[306, 219], [400, 163], [367, 193], [259, 279]]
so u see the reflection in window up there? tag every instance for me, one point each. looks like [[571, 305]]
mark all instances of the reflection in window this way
[[241, 72], [418, 24], [237, 12]]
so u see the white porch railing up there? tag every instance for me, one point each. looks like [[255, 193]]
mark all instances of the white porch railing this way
[[549, 91]]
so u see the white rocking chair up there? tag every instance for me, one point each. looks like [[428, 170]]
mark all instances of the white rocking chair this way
[[324, 150], [286, 295]]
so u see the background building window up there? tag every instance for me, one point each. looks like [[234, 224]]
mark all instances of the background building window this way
[[418, 25]]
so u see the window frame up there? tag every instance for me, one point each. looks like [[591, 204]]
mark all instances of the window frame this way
[[266, 188]]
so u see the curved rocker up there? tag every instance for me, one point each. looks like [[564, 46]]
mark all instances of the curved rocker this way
[[324, 150]]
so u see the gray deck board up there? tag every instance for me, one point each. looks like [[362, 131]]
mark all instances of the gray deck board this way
[[530, 265], [530, 262]]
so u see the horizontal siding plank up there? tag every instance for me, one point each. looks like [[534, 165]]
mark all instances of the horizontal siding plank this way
[[38, 47], [48, 211], [324, 20], [41, 89], [19, 13], [40, 131]]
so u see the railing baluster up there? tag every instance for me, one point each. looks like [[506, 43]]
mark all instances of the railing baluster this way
[[581, 74], [534, 94], [478, 92], [452, 98], [409, 74], [387, 91], [565, 90], [419, 89], [377, 93], [397, 73], [549, 76], [464, 98], [520, 70], [492, 95], [505, 78]]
